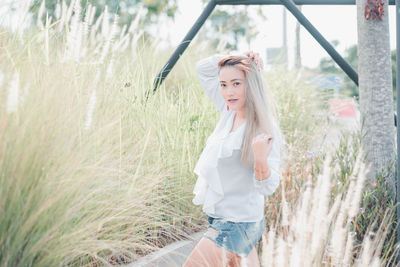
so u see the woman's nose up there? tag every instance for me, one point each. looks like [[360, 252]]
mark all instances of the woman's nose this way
[[230, 89]]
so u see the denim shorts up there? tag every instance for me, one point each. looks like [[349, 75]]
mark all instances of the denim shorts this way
[[237, 237]]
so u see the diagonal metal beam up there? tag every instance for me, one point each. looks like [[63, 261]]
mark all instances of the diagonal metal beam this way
[[183, 45], [297, 2], [211, 5], [291, 6]]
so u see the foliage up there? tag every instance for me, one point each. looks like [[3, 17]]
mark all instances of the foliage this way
[[373, 217], [125, 9], [231, 23], [377, 205], [327, 65], [317, 230]]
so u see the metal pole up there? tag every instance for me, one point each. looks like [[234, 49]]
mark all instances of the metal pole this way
[[297, 2], [321, 40], [183, 45], [398, 108]]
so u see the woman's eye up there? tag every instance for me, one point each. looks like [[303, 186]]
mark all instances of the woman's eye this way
[[236, 84], [223, 85]]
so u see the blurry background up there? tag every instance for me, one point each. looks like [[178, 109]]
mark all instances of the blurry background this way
[[270, 30]]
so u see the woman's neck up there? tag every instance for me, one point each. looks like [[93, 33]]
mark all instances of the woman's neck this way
[[241, 115]]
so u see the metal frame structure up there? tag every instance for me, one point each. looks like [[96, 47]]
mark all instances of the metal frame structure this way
[[291, 6]]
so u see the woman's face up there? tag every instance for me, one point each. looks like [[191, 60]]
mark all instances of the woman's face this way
[[233, 87]]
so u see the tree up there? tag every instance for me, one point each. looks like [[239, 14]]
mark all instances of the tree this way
[[126, 9], [231, 23], [352, 58], [394, 67], [327, 64], [375, 89]]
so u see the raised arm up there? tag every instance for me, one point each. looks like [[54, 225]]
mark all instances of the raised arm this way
[[207, 73], [268, 186]]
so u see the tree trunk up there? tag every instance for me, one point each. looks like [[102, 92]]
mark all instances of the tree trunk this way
[[376, 94]]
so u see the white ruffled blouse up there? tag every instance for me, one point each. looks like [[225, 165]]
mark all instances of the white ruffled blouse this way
[[226, 188]]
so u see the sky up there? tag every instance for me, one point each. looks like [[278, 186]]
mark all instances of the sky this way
[[333, 22]]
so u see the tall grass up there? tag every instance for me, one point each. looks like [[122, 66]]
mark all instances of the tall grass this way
[[92, 173], [319, 230]]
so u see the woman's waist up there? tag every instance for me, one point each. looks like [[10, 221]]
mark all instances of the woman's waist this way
[[239, 212], [240, 219]]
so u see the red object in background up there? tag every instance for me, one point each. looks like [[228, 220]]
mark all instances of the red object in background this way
[[343, 107], [374, 9]]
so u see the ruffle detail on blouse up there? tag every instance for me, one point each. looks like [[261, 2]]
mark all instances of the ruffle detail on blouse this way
[[208, 177], [234, 143], [207, 166]]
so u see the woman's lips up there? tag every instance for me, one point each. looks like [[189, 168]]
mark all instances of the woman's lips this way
[[232, 100]]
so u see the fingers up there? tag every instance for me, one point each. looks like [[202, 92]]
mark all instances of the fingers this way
[[261, 172], [263, 138], [256, 58], [267, 138]]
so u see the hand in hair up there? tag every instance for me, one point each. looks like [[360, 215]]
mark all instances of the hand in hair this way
[[262, 145], [256, 58]]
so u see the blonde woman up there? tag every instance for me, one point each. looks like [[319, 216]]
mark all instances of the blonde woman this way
[[240, 163]]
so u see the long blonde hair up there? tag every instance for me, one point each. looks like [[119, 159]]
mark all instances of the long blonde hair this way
[[261, 114]]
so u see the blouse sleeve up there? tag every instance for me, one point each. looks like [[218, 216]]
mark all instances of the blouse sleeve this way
[[207, 73], [268, 186]]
